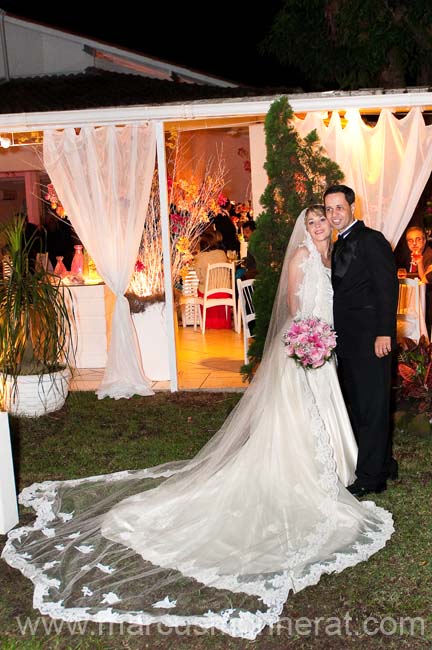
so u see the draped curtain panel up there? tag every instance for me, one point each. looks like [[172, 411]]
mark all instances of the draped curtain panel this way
[[388, 164], [103, 178]]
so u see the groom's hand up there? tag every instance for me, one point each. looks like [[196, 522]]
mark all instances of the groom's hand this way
[[382, 346]]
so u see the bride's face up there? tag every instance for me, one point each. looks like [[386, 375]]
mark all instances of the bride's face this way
[[318, 226]]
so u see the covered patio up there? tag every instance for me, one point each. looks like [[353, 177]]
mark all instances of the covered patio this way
[[386, 206], [209, 362]]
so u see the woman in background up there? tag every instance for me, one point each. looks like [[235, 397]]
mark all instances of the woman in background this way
[[210, 253]]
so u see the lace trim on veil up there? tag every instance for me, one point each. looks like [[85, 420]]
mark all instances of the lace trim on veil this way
[[273, 590], [91, 552]]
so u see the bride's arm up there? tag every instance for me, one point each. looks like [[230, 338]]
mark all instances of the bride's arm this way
[[295, 279]]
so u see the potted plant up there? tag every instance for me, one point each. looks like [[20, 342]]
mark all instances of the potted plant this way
[[147, 298], [414, 380], [36, 320]]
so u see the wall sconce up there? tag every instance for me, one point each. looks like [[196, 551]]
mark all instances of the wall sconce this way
[[5, 142]]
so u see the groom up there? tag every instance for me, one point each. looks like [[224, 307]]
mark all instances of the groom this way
[[365, 300]]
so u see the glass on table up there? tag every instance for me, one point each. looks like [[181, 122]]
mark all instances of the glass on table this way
[[60, 268]]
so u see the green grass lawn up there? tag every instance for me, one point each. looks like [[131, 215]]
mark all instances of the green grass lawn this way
[[370, 606]]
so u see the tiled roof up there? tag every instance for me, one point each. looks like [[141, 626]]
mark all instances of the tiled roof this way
[[96, 88]]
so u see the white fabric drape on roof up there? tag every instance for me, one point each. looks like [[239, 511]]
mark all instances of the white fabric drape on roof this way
[[387, 165], [103, 178]]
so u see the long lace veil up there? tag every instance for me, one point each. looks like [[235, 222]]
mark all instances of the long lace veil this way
[[209, 541], [60, 553], [280, 311], [236, 429]]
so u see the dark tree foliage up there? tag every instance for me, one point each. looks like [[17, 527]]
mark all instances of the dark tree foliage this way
[[298, 173], [353, 44]]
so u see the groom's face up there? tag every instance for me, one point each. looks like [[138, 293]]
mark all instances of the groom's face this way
[[339, 212]]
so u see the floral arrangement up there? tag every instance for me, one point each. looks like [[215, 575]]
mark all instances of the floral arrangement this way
[[415, 373], [54, 201], [309, 342], [191, 202], [146, 285]]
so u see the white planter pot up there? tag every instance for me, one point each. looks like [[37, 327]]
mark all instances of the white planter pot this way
[[151, 330], [36, 395]]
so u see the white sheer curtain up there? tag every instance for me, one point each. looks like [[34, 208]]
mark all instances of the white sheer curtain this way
[[103, 178], [388, 165]]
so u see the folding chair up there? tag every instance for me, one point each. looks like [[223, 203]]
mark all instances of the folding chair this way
[[409, 313], [246, 311], [220, 279], [190, 302]]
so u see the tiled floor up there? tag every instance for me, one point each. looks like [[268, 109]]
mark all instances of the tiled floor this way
[[209, 361], [205, 362]]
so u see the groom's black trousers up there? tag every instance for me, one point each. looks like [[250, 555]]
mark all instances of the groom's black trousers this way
[[366, 384]]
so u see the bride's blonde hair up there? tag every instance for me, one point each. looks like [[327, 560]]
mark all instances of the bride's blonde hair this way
[[315, 208]]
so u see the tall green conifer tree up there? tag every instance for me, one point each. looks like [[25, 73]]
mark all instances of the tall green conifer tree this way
[[298, 173]]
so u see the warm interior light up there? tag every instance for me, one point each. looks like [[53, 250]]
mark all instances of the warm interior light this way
[[5, 143], [20, 138]]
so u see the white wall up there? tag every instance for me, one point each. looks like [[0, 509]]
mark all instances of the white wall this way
[[32, 50], [19, 159], [9, 206], [232, 145], [15, 162], [258, 158]]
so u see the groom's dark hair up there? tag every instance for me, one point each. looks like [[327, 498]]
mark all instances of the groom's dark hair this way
[[343, 189]]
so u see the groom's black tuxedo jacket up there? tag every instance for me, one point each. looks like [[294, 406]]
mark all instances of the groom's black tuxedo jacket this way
[[365, 289]]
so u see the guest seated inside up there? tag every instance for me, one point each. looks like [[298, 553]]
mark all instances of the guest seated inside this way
[[217, 317], [248, 262], [230, 240], [61, 239], [417, 259]]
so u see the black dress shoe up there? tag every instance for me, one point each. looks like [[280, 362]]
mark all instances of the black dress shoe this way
[[361, 491], [393, 470]]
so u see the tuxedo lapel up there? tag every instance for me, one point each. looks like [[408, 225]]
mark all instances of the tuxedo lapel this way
[[344, 252]]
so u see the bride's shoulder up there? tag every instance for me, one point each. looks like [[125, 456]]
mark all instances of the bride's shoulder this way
[[300, 255]]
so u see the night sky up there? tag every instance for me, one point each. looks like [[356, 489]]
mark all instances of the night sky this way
[[224, 44]]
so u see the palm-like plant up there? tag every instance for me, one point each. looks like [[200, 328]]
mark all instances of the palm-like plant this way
[[36, 314]]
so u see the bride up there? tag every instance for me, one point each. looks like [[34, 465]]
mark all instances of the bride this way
[[221, 540]]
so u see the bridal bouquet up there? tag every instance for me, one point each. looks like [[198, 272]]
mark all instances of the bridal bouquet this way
[[309, 342]]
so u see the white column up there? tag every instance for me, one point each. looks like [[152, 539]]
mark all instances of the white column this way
[[8, 501], [166, 252], [258, 154], [33, 202]]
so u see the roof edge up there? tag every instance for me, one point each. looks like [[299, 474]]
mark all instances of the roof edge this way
[[397, 100], [117, 50]]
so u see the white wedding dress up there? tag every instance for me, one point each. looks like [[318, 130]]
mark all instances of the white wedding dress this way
[[221, 540]]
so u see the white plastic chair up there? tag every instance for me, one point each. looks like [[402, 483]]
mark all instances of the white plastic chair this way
[[189, 301], [246, 311], [409, 312], [220, 278]]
